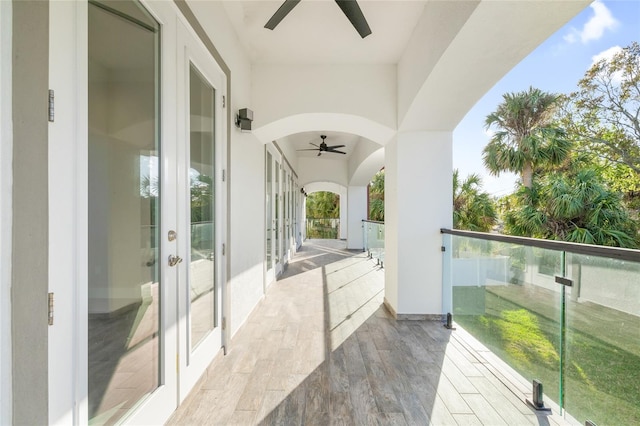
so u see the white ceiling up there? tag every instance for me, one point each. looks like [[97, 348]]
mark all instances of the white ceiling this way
[[317, 31], [302, 141]]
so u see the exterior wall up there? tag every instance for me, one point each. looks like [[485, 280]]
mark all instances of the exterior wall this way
[[281, 91], [312, 170], [247, 238], [391, 285], [6, 172], [30, 207]]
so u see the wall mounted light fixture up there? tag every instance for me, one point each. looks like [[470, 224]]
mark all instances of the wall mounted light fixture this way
[[244, 119]]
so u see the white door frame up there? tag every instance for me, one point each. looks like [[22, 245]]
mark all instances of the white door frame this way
[[68, 255], [278, 246], [269, 268], [158, 406], [192, 51]]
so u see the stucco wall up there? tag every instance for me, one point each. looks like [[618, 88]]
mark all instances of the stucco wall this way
[[30, 206], [6, 154], [312, 170], [281, 91]]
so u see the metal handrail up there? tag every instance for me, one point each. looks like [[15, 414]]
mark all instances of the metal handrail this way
[[577, 248]]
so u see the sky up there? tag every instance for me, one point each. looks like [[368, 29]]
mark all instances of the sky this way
[[555, 66]]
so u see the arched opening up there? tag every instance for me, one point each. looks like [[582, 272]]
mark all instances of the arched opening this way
[[322, 210]]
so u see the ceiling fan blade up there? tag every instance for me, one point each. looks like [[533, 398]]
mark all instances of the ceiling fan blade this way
[[336, 151], [283, 11], [310, 149], [335, 146], [311, 143], [319, 153], [355, 15]]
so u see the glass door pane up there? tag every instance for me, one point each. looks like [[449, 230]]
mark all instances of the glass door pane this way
[[269, 208], [124, 201], [278, 200], [201, 173], [287, 202]]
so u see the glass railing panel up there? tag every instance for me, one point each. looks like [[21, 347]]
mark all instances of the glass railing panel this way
[[374, 239], [323, 228], [505, 295], [602, 372]]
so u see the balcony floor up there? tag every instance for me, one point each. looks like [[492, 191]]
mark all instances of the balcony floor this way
[[321, 349]]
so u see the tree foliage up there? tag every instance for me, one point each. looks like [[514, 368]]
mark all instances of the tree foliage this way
[[473, 210], [323, 205], [603, 117], [604, 113], [525, 137], [576, 161], [376, 197], [201, 198], [575, 206]]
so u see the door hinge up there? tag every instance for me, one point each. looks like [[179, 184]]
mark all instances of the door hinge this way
[[224, 101], [224, 323], [51, 106], [224, 249], [50, 309], [443, 248], [224, 175]]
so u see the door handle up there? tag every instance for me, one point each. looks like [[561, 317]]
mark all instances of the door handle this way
[[174, 260]]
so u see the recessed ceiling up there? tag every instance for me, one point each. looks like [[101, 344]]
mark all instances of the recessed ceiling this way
[[300, 141], [317, 31]]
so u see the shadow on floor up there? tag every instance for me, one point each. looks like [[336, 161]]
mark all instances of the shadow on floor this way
[[320, 349]]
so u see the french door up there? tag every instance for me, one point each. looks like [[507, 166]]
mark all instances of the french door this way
[[281, 214], [274, 215], [201, 196], [150, 161]]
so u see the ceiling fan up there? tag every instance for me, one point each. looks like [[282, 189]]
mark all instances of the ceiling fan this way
[[323, 147], [349, 7]]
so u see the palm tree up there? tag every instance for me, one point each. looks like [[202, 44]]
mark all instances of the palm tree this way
[[323, 205], [575, 206], [525, 138], [472, 210], [376, 197]]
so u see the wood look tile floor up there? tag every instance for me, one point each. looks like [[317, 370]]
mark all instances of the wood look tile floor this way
[[320, 349]]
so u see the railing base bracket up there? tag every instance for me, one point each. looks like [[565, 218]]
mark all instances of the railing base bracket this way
[[532, 405], [449, 324]]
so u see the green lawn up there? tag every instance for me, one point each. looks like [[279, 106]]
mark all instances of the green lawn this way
[[521, 325]]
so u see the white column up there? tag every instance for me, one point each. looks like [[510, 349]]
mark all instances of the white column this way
[[344, 220], [356, 212], [418, 203]]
